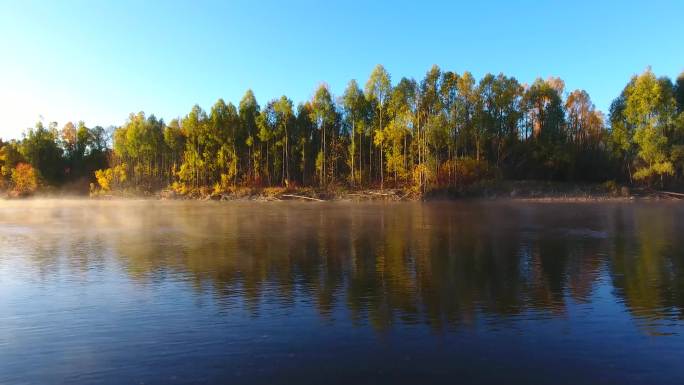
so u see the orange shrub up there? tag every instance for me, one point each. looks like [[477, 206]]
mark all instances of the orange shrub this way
[[24, 179]]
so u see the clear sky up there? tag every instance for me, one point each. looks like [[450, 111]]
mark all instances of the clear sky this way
[[98, 61]]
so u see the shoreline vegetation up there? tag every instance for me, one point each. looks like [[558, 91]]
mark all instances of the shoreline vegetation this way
[[530, 191], [491, 190], [447, 136]]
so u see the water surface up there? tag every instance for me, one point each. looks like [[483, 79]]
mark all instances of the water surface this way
[[325, 293]]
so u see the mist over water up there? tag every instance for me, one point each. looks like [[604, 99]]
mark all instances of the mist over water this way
[[283, 292]]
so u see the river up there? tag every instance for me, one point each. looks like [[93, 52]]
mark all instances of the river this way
[[157, 292]]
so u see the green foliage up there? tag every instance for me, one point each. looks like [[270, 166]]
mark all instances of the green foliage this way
[[41, 149], [679, 93], [141, 144]]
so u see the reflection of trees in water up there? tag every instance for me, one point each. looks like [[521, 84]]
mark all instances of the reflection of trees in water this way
[[437, 264], [647, 261]]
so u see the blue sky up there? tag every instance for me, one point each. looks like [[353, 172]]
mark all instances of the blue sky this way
[[98, 61]]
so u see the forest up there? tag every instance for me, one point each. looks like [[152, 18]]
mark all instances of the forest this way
[[445, 131]]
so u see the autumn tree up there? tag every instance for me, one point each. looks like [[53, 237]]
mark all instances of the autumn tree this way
[[10, 156], [220, 150], [24, 179], [193, 171], [649, 109], [41, 149], [402, 109], [355, 110], [247, 136], [324, 116], [307, 143], [378, 89], [284, 123]]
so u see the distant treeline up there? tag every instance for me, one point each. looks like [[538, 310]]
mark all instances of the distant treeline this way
[[446, 131]]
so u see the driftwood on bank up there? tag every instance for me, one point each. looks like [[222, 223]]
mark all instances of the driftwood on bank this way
[[301, 197], [404, 196], [671, 194], [380, 195]]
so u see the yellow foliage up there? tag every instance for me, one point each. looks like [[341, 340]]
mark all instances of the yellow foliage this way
[[5, 171], [181, 188], [225, 184], [422, 175], [111, 178], [660, 168]]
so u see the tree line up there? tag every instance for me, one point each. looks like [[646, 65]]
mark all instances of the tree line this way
[[50, 156], [447, 130]]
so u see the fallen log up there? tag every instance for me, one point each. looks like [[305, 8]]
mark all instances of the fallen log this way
[[405, 195], [301, 197], [672, 194]]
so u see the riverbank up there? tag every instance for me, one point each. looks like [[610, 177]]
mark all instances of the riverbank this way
[[539, 191], [488, 190]]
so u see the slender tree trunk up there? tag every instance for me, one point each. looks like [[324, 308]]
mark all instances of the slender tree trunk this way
[[382, 175], [352, 155], [370, 158], [360, 160]]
